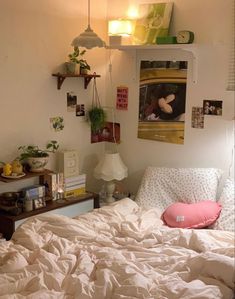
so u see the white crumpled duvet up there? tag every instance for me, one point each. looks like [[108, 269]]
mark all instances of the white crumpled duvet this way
[[116, 252]]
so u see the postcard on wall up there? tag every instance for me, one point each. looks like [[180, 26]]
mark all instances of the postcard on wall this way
[[57, 123], [122, 98], [154, 21], [197, 118], [212, 107], [71, 101], [109, 133], [80, 110], [162, 98]]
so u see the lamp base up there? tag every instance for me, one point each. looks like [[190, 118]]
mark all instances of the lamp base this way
[[110, 187], [120, 41]]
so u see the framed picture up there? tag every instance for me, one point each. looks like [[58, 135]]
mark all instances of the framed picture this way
[[39, 203], [154, 21]]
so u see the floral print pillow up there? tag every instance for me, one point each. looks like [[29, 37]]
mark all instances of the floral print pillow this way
[[161, 186], [226, 220]]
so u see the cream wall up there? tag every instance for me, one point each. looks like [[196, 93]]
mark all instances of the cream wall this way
[[212, 146], [35, 39]]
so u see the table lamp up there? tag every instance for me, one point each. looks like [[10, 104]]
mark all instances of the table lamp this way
[[110, 168]]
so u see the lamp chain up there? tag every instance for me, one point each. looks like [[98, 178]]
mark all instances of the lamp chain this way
[[95, 95], [88, 13]]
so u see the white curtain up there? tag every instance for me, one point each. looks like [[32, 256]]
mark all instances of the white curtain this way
[[231, 71]]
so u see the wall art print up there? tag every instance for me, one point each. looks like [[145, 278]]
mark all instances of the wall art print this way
[[122, 98], [110, 133], [57, 123], [162, 99], [154, 21]]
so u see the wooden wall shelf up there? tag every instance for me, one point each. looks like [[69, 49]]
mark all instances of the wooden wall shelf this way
[[62, 77], [27, 176]]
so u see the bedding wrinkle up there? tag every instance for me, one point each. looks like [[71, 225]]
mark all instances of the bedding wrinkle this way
[[121, 251]]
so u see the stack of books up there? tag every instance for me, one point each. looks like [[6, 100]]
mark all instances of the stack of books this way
[[74, 185]]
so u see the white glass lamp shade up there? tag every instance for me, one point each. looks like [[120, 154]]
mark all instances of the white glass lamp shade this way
[[120, 27], [111, 168], [88, 39]]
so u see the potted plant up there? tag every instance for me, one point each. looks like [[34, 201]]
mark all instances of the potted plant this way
[[75, 58], [96, 114], [97, 118], [35, 157]]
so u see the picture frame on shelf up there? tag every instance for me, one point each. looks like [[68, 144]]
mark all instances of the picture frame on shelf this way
[[39, 203]]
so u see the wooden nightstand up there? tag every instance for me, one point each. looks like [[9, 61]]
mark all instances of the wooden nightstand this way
[[70, 207]]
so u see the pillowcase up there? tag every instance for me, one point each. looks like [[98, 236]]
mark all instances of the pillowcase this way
[[226, 220], [161, 186], [196, 215]]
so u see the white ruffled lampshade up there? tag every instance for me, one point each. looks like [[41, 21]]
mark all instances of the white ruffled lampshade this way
[[88, 39], [111, 168]]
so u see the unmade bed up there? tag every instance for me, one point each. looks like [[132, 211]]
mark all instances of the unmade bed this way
[[120, 251]]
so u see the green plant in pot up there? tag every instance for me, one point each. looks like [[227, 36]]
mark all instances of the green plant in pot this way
[[97, 118], [35, 157], [96, 114], [76, 58], [84, 66]]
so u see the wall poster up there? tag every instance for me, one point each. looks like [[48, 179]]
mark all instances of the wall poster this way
[[110, 133], [122, 98], [154, 21], [162, 98]]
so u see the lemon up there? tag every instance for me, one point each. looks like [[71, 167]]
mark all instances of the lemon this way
[[17, 167], [7, 169]]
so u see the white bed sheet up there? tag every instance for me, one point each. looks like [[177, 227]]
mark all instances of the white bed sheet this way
[[116, 252]]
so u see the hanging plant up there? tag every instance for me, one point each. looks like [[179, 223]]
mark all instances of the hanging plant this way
[[97, 117], [96, 114]]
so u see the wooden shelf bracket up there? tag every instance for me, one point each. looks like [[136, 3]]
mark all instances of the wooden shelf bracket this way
[[62, 77]]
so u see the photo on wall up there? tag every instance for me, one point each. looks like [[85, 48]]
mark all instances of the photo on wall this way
[[197, 118], [110, 133], [71, 101], [212, 107], [162, 100], [80, 110]]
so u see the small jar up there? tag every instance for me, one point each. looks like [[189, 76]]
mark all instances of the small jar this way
[[28, 205]]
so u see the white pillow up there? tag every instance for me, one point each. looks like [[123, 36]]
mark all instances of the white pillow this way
[[161, 187], [226, 220]]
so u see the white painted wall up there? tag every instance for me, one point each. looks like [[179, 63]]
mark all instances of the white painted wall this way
[[212, 146], [35, 39]]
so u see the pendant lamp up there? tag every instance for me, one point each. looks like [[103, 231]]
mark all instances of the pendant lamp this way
[[88, 39]]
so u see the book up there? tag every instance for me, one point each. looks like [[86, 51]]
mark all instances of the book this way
[[74, 192], [70, 184], [74, 187], [77, 178], [50, 182]]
